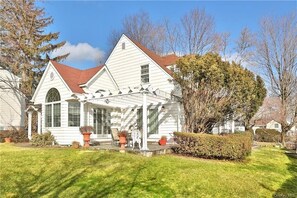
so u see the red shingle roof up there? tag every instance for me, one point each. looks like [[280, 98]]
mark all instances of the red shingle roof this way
[[74, 77], [163, 61]]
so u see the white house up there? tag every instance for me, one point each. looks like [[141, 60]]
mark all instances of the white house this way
[[133, 78], [12, 102]]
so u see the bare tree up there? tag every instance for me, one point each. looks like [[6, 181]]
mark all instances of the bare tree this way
[[220, 44], [193, 35], [244, 46], [140, 28], [277, 55]]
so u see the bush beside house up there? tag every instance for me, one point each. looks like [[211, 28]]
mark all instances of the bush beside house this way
[[231, 146], [267, 135], [15, 135], [45, 139]]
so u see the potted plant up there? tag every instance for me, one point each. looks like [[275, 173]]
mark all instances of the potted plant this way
[[7, 136], [122, 138], [86, 131], [163, 140]]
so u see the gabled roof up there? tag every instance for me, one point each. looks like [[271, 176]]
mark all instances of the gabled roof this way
[[163, 61], [74, 77]]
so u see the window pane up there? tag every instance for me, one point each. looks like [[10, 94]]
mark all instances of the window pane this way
[[57, 115], [153, 121], [139, 118], [48, 115], [145, 73], [53, 95], [73, 114]]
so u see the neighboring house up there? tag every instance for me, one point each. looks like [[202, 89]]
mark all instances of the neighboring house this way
[[12, 102], [267, 124], [110, 95], [268, 116], [228, 126]]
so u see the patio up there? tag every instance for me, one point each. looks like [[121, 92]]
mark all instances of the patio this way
[[153, 148]]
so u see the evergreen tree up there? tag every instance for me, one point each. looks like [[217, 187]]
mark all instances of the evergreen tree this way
[[25, 46]]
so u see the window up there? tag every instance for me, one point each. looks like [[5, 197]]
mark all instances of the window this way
[[53, 108], [57, 114], [101, 121], [275, 125], [73, 114], [153, 123], [48, 115], [145, 78], [123, 45]]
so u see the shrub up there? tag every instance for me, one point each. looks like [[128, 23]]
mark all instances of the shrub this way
[[267, 135], [45, 139], [75, 145], [5, 134], [231, 147], [15, 135]]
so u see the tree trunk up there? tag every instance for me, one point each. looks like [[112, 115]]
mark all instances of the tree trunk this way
[[283, 134]]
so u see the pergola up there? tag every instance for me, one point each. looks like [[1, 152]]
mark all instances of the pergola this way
[[140, 96], [129, 98]]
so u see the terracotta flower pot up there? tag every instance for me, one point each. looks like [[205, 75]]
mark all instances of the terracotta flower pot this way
[[162, 142], [123, 141], [7, 140], [86, 139]]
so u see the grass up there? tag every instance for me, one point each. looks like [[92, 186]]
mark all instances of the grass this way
[[52, 172]]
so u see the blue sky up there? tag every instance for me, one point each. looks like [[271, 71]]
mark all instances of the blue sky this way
[[86, 25]]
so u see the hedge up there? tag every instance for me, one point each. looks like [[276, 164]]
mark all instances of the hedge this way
[[267, 135], [230, 147]]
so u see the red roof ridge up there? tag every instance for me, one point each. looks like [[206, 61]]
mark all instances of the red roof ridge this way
[[73, 77]]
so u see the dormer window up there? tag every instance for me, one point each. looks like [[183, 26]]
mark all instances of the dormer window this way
[[145, 77], [123, 45]]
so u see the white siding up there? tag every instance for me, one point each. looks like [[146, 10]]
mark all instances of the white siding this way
[[124, 65], [12, 103], [272, 125], [101, 81], [12, 109], [63, 134]]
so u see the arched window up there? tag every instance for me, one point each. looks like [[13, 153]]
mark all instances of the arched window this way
[[53, 108], [53, 95]]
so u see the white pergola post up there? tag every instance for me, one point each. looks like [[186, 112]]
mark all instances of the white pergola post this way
[[144, 123], [233, 126], [82, 114], [30, 124], [38, 122]]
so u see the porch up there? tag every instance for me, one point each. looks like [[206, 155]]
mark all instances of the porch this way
[[153, 148], [121, 109]]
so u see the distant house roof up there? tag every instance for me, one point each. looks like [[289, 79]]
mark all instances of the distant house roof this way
[[75, 77]]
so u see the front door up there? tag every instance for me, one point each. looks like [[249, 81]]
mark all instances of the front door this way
[[101, 122]]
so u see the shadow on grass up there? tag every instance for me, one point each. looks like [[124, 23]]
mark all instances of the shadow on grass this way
[[95, 176], [289, 188]]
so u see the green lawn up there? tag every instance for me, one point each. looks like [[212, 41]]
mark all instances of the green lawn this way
[[52, 172]]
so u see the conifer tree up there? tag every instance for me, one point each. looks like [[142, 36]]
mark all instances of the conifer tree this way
[[25, 45]]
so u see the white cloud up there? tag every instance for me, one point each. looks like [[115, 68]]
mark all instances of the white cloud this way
[[80, 52]]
